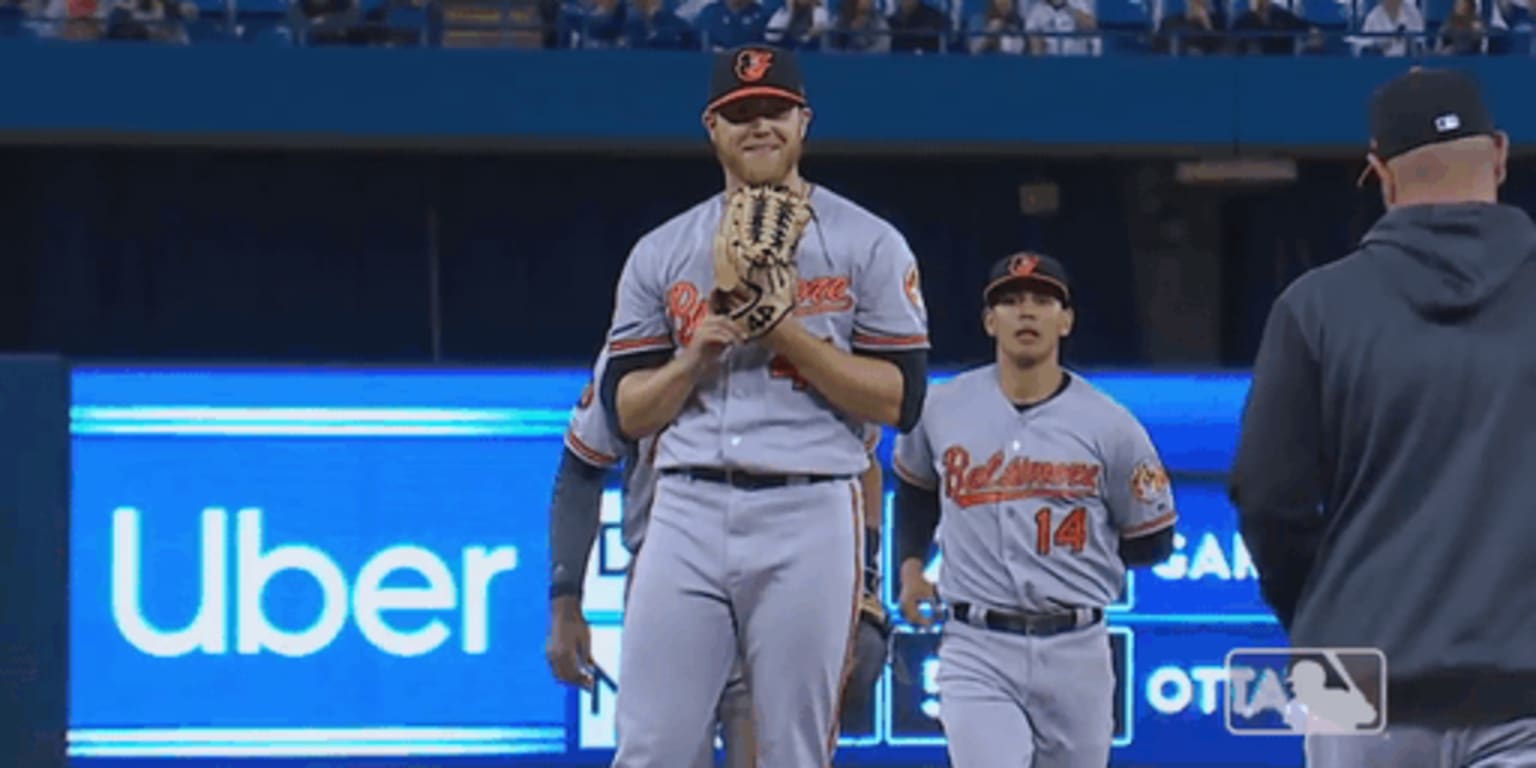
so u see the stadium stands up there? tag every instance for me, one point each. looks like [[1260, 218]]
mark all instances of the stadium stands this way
[[1050, 27]]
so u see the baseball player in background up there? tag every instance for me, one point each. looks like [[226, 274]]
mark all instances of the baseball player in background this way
[[1386, 469], [1043, 491], [755, 542], [591, 451]]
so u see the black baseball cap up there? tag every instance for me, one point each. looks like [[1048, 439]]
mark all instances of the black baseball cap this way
[[1423, 107], [1031, 269], [755, 70]]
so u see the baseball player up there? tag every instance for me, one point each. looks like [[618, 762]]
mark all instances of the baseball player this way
[[591, 450], [1049, 490], [1387, 463], [756, 536]]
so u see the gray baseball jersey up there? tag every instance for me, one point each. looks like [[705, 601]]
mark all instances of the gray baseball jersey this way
[[1034, 504], [770, 574], [858, 290], [589, 437]]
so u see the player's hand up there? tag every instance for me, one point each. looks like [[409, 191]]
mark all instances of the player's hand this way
[[569, 649], [715, 334], [916, 590]]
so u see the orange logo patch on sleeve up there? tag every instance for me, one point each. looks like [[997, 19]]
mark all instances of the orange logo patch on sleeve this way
[[752, 65], [1149, 482], [913, 286]]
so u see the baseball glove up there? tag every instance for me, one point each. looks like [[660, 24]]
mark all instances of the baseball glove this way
[[757, 279]]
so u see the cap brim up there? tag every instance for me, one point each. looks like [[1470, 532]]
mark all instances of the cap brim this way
[[1056, 286], [757, 91]]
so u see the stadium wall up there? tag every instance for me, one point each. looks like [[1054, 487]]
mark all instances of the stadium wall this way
[[431, 98]]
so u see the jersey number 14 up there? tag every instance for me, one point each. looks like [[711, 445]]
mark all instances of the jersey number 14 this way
[[1071, 533]]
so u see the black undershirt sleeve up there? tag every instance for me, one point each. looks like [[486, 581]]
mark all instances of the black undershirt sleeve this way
[[915, 519], [574, 517], [1150, 549], [914, 383]]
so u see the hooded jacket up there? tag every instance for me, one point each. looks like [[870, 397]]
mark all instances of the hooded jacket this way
[[1385, 477]]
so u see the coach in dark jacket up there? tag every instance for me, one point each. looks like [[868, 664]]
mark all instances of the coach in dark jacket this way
[[1386, 473]]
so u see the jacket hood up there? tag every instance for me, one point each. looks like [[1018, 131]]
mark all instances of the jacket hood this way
[[1451, 259]]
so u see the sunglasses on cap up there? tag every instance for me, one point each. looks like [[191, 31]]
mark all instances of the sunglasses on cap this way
[[742, 111]]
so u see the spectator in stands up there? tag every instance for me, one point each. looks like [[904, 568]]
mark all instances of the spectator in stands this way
[[800, 24], [861, 28], [917, 27], [1462, 32], [1270, 30], [999, 29], [1397, 27], [652, 25], [726, 24], [1059, 25], [1195, 31], [1513, 27], [71, 19], [155, 20], [593, 24], [326, 22]]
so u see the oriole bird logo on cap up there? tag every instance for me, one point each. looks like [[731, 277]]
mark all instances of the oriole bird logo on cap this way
[[1023, 265], [753, 64]]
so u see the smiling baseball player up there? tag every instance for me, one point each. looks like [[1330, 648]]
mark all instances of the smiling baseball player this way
[[1049, 490], [763, 356]]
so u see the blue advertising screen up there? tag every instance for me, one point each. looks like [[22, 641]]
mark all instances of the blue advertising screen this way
[[353, 563]]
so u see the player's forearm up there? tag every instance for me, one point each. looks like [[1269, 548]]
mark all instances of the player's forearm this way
[[573, 523], [862, 387], [1283, 553], [651, 399], [916, 519]]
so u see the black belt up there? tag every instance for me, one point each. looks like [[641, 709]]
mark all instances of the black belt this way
[[1038, 624], [748, 481]]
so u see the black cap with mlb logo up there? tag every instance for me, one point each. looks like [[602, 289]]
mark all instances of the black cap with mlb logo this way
[[755, 70], [1027, 269], [1423, 107]]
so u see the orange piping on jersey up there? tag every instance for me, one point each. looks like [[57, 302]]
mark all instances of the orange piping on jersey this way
[[1156, 524], [910, 476], [636, 345], [853, 619], [995, 480], [869, 340], [587, 453]]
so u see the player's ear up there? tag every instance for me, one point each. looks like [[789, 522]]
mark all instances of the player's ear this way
[[805, 121], [1501, 155], [1384, 178], [989, 321], [709, 119], [1068, 317]]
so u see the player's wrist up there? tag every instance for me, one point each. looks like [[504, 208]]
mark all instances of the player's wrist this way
[[871, 558], [784, 336], [566, 605]]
